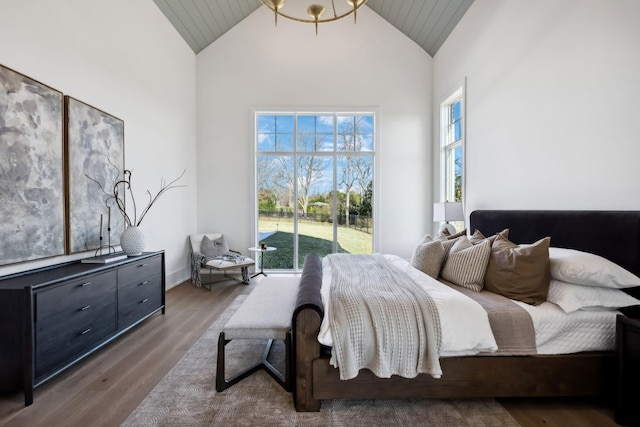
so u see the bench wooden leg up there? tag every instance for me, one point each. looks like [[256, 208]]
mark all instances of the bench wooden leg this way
[[221, 382], [284, 380]]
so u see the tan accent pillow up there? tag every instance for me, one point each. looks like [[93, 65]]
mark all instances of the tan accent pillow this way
[[467, 263], [478, 237], [519, 272], [428, 256]]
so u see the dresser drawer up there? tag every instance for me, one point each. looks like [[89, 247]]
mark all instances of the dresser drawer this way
[[139, 271], [136, 300], [62, 338], [76, 295]]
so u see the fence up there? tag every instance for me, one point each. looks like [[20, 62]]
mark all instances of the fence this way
[[358, 222]]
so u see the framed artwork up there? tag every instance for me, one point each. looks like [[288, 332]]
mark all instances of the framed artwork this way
[[31, 169], [94, 143]]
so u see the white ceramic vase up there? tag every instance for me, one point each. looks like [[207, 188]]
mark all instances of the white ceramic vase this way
[[132, 241]]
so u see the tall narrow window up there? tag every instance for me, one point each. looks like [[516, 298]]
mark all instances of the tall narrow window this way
[[453, 136], [314, 185]]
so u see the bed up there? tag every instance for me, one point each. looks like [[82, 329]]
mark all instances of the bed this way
[[614, 235]]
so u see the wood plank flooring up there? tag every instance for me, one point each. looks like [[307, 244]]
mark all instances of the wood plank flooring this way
[[106, 387]]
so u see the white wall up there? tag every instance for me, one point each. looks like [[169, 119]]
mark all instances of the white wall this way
[[369, 64], [552, 103], [122, 57]]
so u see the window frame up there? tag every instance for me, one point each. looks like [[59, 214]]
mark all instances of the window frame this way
[[333, 154], [448, 146]]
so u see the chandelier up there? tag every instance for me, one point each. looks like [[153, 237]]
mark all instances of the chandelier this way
[[315, 11]]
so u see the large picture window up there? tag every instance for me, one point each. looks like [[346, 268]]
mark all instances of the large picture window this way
[[314, 184]]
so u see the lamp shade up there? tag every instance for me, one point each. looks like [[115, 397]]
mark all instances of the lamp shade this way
[[448, 211]]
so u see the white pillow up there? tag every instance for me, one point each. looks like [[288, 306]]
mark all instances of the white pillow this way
[[571, 297], [583, 268]]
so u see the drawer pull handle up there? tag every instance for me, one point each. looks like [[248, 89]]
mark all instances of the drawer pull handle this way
[[86, 307], [144, 300], [86, 331], [142, 265], [145, 282], [85, 284]]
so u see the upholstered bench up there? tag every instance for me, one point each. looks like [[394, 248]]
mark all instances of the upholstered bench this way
[[266, 313]]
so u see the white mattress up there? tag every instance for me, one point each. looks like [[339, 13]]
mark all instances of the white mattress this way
[[556, 332]]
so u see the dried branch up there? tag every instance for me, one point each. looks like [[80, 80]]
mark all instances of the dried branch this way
[[123, 186], [163, 189]]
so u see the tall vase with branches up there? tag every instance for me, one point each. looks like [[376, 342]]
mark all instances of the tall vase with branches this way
[[132, 239]]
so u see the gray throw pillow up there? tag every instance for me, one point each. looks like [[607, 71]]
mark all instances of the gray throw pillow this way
[[428, 256], [213, 248]]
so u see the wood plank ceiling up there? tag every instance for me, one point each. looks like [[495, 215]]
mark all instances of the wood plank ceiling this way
[[426, 22]]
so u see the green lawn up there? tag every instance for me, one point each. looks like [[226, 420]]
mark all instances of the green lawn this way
[[314, 237]]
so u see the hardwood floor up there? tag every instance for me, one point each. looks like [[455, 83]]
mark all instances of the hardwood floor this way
[[559, 412], [106, 387]]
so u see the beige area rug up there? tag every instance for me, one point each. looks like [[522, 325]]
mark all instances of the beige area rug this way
[[186, 396]]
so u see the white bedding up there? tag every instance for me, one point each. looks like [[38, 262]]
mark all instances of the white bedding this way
[[558, 332], [466, 329], [466, 334]]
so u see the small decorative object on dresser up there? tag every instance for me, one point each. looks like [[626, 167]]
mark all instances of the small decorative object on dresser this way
[[132, 239]]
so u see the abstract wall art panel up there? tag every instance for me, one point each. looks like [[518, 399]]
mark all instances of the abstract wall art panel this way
[[95, 159], [32, 199]]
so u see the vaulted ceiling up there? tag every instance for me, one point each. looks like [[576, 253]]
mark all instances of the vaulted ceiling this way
[[426, 22]]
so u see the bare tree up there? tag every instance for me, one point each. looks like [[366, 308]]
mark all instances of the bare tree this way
[[356, 170], [285, 180], [310, 170]]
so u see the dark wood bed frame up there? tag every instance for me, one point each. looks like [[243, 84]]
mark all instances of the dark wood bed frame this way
[[614, 235]]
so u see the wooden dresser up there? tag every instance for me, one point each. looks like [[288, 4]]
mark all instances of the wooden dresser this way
[[51, 318]]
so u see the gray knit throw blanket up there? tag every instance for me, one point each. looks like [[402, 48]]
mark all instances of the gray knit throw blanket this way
[[197, 259], [381, 319]]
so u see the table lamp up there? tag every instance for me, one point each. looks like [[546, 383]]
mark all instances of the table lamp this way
[[448, 211]]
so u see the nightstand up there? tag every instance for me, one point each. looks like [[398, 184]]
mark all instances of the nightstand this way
[[628, 362]]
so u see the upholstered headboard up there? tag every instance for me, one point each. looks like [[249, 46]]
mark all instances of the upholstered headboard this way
[[614, 235]]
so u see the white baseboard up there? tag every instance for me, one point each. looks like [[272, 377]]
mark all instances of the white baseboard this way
[[177, 277]]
